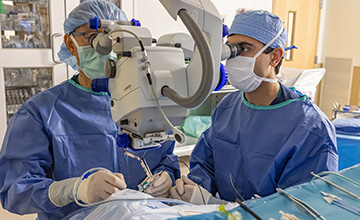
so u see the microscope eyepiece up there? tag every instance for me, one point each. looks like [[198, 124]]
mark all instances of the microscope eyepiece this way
[[235, 49], [230, 50], [91, 39]]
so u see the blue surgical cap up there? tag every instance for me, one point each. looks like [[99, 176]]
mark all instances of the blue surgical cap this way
[[260, 25], [81, 15]]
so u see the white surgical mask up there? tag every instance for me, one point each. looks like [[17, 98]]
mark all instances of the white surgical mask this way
[[91, 62], [241, 70]]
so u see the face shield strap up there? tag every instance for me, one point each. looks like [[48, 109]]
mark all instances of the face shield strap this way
[[268, 44]]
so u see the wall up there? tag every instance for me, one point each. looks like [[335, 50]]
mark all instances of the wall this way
[[153, 15], [340, 38], [355, 87], [321, 34], [342, 30]]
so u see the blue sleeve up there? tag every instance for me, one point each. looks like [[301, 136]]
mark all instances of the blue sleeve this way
[[25, 166], [169, 162], [321, 156], [202, 161]]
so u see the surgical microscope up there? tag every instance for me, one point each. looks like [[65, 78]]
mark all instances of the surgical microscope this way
[[151, 87]]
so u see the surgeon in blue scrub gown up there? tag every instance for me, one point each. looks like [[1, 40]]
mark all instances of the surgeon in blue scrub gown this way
[[64, 131], [263, 136]]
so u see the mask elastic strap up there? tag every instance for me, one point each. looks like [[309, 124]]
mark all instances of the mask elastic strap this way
[[268, 44], [265, 79], [75, 42], [268, 79]]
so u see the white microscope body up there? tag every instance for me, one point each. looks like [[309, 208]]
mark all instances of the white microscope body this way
[[141, 67]]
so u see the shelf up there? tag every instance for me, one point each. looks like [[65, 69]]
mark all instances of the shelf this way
[[19, 87], [337, 114], [26, 24], [3, 30]]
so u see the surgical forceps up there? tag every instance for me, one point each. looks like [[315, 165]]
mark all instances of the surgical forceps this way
[[333, 184], [143, 186], [143, 163], [334, 200], [302, 206]]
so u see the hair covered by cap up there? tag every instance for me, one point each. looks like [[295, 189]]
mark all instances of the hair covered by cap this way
[[89, 9], [80, 15], [260, 25]]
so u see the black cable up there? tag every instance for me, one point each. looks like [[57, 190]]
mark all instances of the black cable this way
[[247, 209], [233, 186], [141, 45]]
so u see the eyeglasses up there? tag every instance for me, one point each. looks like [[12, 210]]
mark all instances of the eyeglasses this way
[[85, 34]]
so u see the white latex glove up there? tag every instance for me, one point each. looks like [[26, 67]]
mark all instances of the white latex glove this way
[[61, 192], [161, 186], [186, 190], [100, 185]]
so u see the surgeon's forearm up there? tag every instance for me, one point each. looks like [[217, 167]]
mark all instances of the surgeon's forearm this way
[[33, 198], [61, 192]]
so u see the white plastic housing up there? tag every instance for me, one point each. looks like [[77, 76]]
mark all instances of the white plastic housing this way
[[131, 96]]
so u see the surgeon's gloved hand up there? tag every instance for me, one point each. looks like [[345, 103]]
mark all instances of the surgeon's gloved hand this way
[[99, 186], [188, 191], [161, 185]]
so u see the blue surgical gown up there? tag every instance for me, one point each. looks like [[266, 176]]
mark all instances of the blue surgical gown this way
[[263, 147], [61, 133]]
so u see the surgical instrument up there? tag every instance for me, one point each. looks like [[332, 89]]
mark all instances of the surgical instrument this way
[[302, 206], [247, 209], [149, 180], [333, 184], [332, 199], [143, 163]]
